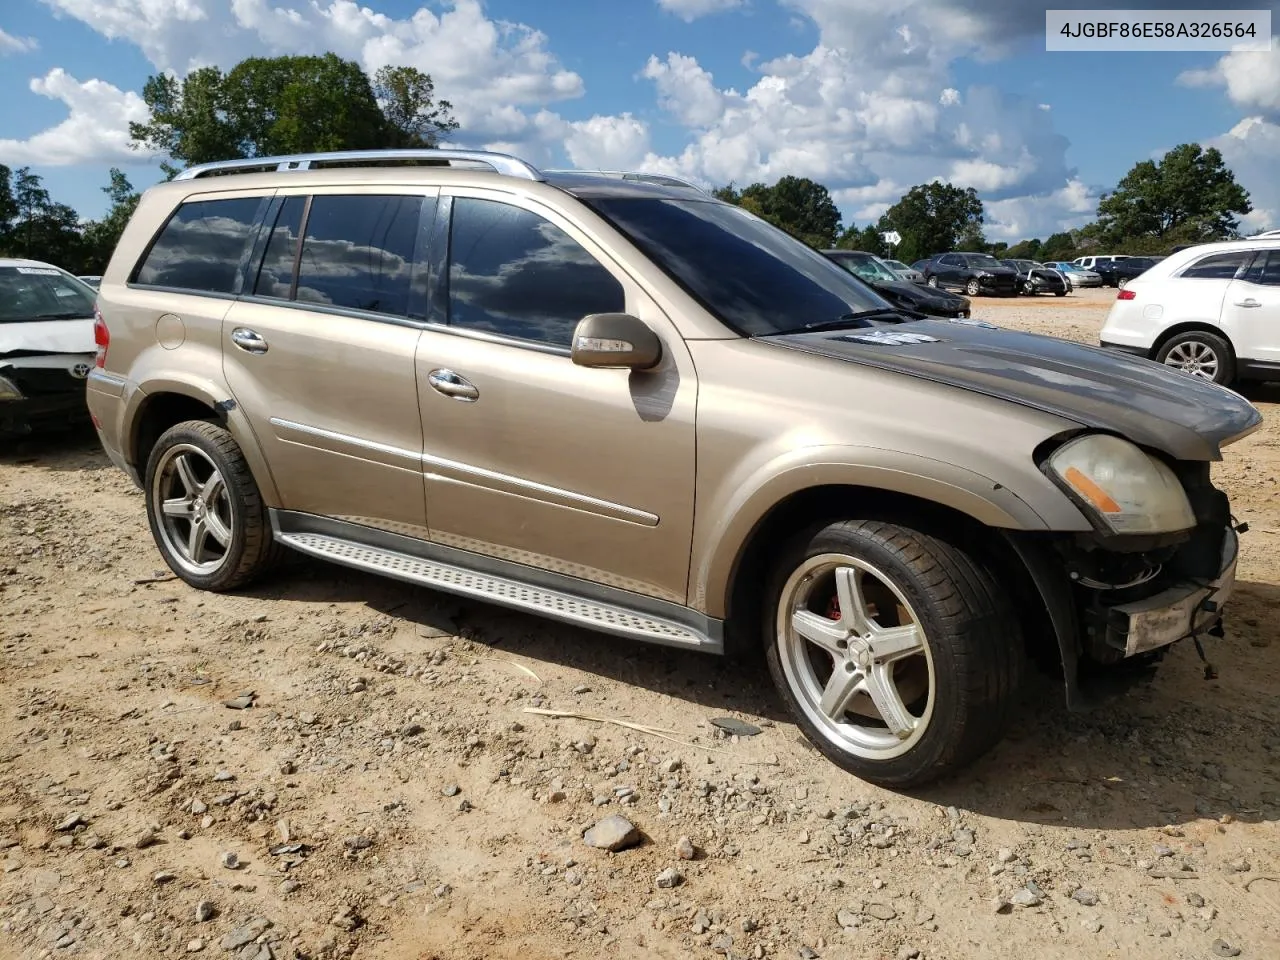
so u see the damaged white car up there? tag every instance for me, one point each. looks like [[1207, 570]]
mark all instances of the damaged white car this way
[[47, 347]]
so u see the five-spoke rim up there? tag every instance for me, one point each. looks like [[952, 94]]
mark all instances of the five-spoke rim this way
[[1194, 357], [193, 508], [856, 656]]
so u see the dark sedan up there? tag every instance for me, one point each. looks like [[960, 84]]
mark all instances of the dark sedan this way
[[1119, 272], [1036, 278], [876, 274], [974, 273]]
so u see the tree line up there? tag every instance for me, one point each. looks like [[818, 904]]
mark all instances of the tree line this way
[[302, 104], [1187, 196]]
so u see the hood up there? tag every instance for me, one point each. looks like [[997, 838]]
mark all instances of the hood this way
[[1153, 405], [47, 336]]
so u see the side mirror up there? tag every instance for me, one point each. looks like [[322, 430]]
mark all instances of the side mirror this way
[[615, 340]]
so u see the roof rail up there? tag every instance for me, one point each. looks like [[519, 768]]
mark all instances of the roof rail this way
[[504, 164], [665, 179]]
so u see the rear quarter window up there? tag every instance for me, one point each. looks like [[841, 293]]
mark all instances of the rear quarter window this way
[[1219, 266], [203, 246]]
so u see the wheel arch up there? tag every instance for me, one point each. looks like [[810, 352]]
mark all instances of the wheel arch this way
[[161, 405], [1188, 326], [1048, 628]]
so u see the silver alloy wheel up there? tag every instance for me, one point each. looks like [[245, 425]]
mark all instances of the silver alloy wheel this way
[[193, 507], [972, 288], [1121, 282], [856, 669], [933, 282], [1194, 357]]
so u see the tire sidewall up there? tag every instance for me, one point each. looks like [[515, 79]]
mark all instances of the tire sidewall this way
[[935, 746], [184, 433]]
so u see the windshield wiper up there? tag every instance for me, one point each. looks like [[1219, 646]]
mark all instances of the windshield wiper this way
[[851, 320], [71, 315]]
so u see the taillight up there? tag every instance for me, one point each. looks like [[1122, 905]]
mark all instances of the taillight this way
[[101, 337], [1126, 294]]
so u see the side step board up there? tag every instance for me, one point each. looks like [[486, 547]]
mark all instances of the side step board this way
[[504, 591]]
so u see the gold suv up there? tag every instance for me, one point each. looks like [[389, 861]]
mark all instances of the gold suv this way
[[612, 400]]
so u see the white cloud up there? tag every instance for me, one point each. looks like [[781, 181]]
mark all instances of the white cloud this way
[[686, 90], [1250, 149], [607, 143], [1039, 215], [13, 44], [1251, 80], [949, 97], [690, 10], [96, 128]]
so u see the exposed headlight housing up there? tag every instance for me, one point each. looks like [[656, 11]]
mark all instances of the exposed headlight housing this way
[[9, 390], [1121, 487]]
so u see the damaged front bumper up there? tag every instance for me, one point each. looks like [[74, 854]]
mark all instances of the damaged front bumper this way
[[42, 392], [1181, 610]]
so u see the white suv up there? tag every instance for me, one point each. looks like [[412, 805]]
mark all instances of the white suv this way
[[1092, 263], [1212, 311]]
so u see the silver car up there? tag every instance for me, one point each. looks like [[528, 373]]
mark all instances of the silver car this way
[[904, 271], [1076, 275]]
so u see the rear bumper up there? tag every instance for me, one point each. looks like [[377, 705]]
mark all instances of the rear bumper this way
[[1182, 610], [106, 402], [43, 414]]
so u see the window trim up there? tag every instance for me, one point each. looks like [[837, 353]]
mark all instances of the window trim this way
[[264, 199], [439, 302], [1243, 266]]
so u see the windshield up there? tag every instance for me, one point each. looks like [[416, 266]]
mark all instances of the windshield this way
[[753, 277], [867, 267], [981, 260], [42, 293]]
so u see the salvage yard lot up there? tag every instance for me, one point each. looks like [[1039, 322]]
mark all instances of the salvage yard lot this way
[[387, 795]]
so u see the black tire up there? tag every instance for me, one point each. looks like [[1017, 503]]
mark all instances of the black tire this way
[[1059, 293], [971, 630], [972, 288], [251, 550], [1224, 357]]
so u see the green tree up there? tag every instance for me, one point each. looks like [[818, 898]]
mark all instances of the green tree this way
[[33, 202], [1188, 196], [798, 205], [267, 106], [101, 236], [413, 116], [1024, 250], [934, 218], [867, 239], [8, 204], [1059, 246]]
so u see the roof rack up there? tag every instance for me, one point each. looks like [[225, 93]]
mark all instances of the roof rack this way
[[665, 179], [501, 163]]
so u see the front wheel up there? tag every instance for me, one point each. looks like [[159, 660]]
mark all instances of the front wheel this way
[[896, 652], [205, 510], [972, 288]]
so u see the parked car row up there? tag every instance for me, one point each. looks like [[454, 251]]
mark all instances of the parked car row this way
[[878, 275]]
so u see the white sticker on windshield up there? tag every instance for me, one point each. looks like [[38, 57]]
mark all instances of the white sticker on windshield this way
[[39, 271], [894, 337]]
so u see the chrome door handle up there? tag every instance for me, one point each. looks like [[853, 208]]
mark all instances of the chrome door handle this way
[[248, 340], [1248, 303], [452, 385]]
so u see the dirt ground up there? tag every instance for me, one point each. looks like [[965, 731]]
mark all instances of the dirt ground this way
[[387, 794]]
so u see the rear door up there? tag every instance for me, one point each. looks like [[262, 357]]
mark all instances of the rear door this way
[[1199, 291], [320, 353], [1251, 311]]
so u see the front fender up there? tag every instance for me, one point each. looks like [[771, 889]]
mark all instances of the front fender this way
[[725, 523]]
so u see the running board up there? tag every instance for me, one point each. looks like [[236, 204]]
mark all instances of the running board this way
[[504, 591]]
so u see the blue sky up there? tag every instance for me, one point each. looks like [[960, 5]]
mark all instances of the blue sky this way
[[866, 96]]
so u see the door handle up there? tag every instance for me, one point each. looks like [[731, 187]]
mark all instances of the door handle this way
[[452, 385], [1250, 302], [248, 340]]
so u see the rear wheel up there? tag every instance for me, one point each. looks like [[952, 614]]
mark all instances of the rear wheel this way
[[205, 510], [1200, 354], [896, 652], [1121, 282]]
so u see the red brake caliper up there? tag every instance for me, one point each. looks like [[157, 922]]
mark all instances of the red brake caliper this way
[[833, 608]]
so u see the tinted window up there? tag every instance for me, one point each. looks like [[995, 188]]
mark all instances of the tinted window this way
[[981, 260], [1265, 269], [201, 246], [1220, 266], [42, 293], [950, 261], [358, 252], [275, 278], [751, 276], [513, 273]]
